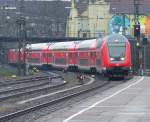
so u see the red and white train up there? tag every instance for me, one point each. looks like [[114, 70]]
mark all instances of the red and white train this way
[[110, 55]]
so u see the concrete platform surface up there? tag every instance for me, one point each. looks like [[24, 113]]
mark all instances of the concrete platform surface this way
[[127, 102]]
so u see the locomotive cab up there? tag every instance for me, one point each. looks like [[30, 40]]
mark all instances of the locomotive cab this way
[[118, 49]]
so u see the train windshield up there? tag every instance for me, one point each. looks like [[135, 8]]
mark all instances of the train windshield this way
[[117, 50]]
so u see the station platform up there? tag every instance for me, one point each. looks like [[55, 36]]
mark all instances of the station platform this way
[[127, 102]]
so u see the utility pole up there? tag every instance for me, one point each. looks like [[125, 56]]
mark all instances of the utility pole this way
[[21, 37], [136, 20], [136, 11], [124, 24], [137, 34]]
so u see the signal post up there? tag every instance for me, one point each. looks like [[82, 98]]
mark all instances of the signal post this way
[[137, 35]]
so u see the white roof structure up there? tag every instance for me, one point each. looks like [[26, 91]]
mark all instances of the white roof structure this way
[[63, 45], [38, 46], [86, 44]]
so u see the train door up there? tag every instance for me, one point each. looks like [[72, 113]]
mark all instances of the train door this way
[[35, 57], [47, 57], [98, 61], [22, 56], [92, 58], [84, 60], [12, 56], [44, 57], [76, 58], [66, 58], [92, 61], [60, 58], [70, 58], [146, 58]]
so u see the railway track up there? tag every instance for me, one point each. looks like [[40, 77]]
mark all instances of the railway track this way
[[26, 83], [17, 92], [43, 76], [18, 88], [54, 98]]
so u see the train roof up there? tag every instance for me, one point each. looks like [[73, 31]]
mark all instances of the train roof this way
[[38, 46], [87, 44], [115, 37], [64, 45], [15, 49]]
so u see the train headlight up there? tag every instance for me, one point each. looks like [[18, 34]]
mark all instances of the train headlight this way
[[122, 59], [112, 59], [104, 68]]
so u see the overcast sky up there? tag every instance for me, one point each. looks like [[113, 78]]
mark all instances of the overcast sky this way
[[47, 0]]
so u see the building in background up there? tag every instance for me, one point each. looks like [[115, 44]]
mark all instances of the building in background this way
[[43, 18], [95, 18], [88, 18], [75, 18]]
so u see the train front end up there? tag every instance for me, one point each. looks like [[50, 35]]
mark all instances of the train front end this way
[[117, 60]]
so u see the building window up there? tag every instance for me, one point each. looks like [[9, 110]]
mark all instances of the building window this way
[[84, 35]]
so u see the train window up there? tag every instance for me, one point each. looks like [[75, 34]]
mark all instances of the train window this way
[[98, 62], [66, 54], [49, 54], [84, 62], [117, 50], [70, 55], [76, 54], [97, 54], [60, 61], [44, 55], [93, 54], [99, 43]]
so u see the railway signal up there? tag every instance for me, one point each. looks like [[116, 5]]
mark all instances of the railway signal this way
[[137, 31], [144, 41]]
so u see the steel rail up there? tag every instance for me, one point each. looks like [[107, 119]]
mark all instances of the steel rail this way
[[73, 93], [29, 79], [4, 97]]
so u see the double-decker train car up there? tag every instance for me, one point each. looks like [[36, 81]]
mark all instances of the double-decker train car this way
[[37, 54], [13, 56], [87, 50], [64, 54], [116, 55], [110, 55]]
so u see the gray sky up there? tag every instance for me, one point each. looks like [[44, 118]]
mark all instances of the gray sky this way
[[47, 0]]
